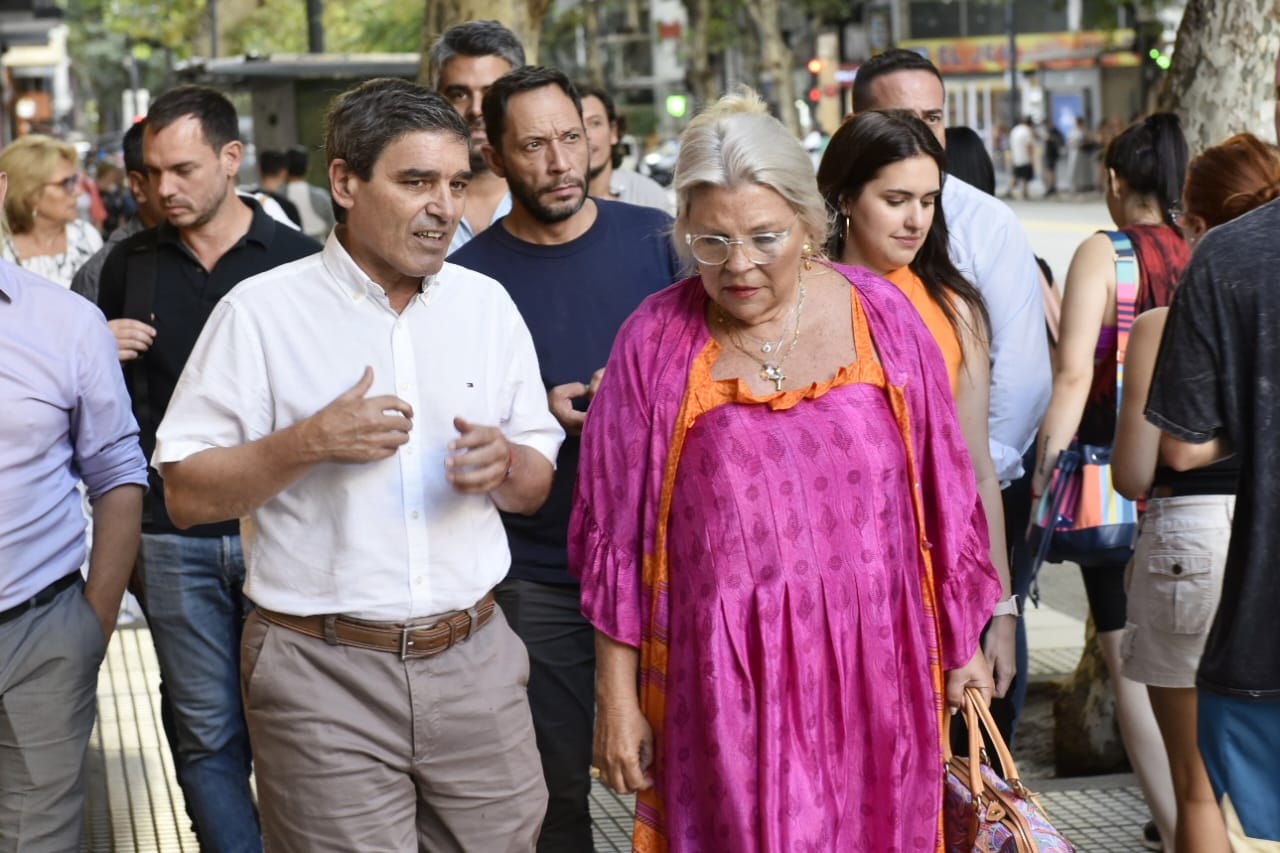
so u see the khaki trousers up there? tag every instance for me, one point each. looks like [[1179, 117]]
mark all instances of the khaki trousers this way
[[356, 750]]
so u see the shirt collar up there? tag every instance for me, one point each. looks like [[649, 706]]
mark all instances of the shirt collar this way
[[352, 279], [262, 228]]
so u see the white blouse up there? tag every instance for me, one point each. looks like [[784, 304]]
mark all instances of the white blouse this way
[[83, 240]]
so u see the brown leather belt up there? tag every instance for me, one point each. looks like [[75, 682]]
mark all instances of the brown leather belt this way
[[410, 640]]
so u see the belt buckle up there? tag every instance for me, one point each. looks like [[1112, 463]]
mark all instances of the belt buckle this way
[[405, 642]]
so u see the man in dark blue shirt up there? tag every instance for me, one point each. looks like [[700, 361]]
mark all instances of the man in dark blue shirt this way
[[576, 268]]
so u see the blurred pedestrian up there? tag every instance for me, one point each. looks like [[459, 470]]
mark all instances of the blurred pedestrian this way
[[1051, 144], [46, 234], [312, 204], [1022, 153]]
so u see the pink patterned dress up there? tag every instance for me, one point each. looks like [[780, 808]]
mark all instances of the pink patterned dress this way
[[797, 571]]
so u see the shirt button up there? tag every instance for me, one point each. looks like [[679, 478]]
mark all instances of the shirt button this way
[[413, 514], [418, 580]]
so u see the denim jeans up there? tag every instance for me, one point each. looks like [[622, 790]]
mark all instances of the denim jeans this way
[[195, 606]]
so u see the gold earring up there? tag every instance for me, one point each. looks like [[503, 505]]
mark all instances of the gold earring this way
[[806, 255]]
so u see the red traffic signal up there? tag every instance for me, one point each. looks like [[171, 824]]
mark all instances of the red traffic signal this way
[[815, 94]]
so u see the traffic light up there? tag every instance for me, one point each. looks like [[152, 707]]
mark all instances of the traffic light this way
[[815, 83]]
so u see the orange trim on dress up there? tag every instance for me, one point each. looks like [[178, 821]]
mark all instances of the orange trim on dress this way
[[704, 393], [940, 329]]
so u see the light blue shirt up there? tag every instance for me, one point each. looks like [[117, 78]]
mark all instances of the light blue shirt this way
[[67, 417], [989, 248], [464, 232]]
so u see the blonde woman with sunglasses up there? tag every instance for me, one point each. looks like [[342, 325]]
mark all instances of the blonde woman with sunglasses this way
[[45, 233]]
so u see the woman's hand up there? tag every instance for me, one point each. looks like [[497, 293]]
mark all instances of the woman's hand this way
[[623, 748], [976, 673], [1000, 646]]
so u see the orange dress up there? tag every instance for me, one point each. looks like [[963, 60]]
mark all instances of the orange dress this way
[[940, 328]]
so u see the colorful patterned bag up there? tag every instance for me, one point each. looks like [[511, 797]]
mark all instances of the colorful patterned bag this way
[[981, 812], [1081, 517]]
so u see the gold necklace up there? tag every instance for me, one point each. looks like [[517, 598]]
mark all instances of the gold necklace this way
[[770, 371]]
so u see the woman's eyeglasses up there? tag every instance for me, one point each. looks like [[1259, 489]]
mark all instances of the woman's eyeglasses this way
[[68, 184], [714, 250]]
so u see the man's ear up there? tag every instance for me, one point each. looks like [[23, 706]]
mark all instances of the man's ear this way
[[343, 184], [231, 155], [4, 189], [494, 158]]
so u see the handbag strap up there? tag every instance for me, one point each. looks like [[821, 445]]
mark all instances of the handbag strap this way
[[977, 719], [1126, 300]]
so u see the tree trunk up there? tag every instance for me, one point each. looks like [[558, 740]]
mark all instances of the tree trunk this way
[[591, 33], [1221, 78], [522, 17], [777, 63], [701, 76], [1086, 738]]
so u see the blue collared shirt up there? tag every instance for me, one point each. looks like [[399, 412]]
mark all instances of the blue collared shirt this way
[[65, 417], [464, 232], [990, 249]]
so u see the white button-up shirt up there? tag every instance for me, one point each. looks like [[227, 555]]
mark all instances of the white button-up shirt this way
[[990, 249], [387, 540]]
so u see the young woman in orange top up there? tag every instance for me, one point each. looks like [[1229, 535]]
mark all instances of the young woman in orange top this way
[[882, 175]]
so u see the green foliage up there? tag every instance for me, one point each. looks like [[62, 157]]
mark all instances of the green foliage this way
[[350, 26]]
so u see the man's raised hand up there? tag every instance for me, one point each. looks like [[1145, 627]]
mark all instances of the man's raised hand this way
[[355, 428]]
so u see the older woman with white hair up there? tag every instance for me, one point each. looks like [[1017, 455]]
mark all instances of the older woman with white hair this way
[[777, 529]]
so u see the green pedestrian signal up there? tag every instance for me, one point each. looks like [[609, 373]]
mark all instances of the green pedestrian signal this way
[[677, 105]]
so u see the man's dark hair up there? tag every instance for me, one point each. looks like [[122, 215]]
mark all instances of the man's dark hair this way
[[474, 38], [272, 162], [364, 120], [132, 148], [525, 79], [886, 63], [297, 160], [968, 160], [586, 90], [214, 111]]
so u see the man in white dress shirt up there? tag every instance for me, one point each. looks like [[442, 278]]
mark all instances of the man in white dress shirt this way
[[373, 408]]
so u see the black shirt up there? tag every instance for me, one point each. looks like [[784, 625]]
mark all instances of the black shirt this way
[[1217, 375], [185, 294], [574, 297]]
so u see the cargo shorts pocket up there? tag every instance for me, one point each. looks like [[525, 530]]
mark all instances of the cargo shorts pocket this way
[[1180, 595]]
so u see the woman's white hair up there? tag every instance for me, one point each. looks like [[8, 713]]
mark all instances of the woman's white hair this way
[[735, 141]]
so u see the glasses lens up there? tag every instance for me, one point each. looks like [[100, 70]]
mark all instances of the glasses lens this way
[[765, 247], [709, 249]]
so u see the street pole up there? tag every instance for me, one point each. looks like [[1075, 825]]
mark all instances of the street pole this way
[[213, 29], [1015, 105], [315, 26]]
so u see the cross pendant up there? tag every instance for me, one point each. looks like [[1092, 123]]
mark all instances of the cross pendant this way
[[773, 373]]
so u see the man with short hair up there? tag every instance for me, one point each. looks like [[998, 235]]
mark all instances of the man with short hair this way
[[149, 214], [464, 62], [273, 176], [314, 207], [990, 249], [605, 179], [160, 286], [576, 267], [1022, 156], [373, 408], [66, 419]]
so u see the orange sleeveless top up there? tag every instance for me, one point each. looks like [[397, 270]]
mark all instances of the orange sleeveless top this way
[[940, 328]]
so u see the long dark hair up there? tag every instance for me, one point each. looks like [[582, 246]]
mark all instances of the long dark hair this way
[[855, 155], [1151, 156]]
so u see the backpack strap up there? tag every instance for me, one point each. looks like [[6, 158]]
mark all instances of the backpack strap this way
[[1126, 300], [139, 304]]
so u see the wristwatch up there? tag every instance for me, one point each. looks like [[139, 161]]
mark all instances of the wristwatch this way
[[1008, 607]]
